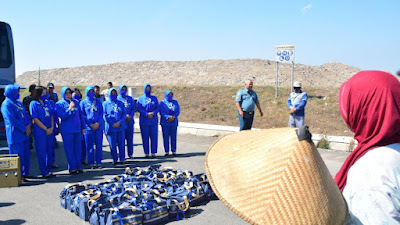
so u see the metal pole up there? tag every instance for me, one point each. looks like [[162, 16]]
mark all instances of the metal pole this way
[[277, 79], [292, 75], [39, 76]]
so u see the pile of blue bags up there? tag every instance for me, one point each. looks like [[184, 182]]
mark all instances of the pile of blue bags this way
[[138, 196]]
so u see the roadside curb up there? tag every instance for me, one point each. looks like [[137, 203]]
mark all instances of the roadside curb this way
[[337, 143]]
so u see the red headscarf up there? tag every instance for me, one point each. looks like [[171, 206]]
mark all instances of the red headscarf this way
[[370, 105]]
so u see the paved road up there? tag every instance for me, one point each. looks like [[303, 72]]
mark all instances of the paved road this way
[[37, 202]]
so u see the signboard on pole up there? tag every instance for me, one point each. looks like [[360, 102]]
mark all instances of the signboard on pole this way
[[284, 53]]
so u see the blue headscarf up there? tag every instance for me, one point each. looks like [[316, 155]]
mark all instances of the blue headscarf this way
[[11, 92]]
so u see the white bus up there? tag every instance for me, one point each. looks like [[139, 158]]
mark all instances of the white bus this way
[[7, 63], [7, 66]]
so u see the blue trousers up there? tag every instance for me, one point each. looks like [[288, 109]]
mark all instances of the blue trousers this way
[[83, 149], [149, 132], [44, 147], [52, 156], [129, 138], [117, 139], [72, 147], [94, 137], [23, 151], [169, 133], [246, 121]]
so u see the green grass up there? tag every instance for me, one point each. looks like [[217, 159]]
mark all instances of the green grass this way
[[216, 105]]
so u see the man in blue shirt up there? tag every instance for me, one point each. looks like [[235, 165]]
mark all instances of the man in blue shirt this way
[[297, 102], [246, 100]]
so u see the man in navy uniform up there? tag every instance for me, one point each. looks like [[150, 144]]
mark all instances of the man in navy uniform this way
[[246, 100]]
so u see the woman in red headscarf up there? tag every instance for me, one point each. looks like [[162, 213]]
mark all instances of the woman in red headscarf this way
[[370, 177]]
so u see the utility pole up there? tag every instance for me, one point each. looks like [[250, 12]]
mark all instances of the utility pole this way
[[39, 77], [292, 75], [277, 79]]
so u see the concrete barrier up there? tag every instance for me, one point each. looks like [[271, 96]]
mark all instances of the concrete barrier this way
[[338, 143]]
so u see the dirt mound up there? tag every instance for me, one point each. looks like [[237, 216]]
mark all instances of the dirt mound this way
[[204, 73]]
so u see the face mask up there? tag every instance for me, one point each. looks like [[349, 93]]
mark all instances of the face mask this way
[[123, 93], [44, 97], [90, 95], [113, 97], [147, 93], [76, 97], [169, 98]]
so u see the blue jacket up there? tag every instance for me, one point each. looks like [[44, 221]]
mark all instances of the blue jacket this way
[[15, 116], [54, 97], [92, 110], [129, 104], [42, 112], [146, 104], [169, 108], [299, 101], [114, 111], [71, 121]]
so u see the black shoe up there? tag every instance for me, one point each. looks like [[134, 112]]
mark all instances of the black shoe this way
[[99, 167], [166, 154], [93, 167], [174, 154], [122, 162], [153, 156], [52, 174], [114, 163], [47, 176], [84, 163], [54, 166], [73, 172], [130, 157], [29, 176], [147, 156], [80, 171]]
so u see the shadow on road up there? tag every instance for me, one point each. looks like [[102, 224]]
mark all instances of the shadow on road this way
[[192, 154], [12, 222], [194, 212], [97, 175], [5, 204]]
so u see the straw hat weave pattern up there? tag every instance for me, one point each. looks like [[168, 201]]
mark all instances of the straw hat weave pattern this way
[[270, 177]]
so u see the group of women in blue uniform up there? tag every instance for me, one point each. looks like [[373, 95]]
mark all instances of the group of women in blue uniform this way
[[82, 123]]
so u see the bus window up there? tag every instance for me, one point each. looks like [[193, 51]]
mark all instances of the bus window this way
[[5, 52]]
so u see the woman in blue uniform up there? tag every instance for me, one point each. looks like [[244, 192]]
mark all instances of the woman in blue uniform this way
[[53, 112], [76, 95], [71, 129], [114, 116], [43, 125], [130, 108], [18, 127], [92, 114], [148, 108], [169, 110]]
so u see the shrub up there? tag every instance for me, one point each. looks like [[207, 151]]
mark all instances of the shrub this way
[[323, 143], [351, 145]]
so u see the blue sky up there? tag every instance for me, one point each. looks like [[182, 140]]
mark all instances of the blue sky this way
[[55, 34]]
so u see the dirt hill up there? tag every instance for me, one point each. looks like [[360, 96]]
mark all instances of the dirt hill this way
[[205, 73]]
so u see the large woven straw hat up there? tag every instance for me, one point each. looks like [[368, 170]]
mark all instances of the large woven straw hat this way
[[272, 177]]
